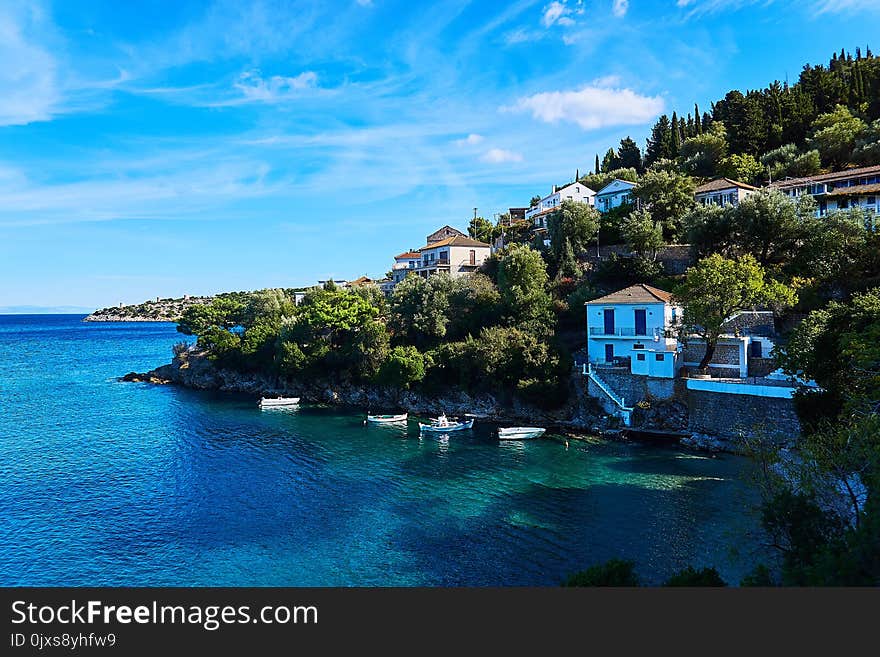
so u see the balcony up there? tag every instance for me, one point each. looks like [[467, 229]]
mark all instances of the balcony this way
[[619, 332]]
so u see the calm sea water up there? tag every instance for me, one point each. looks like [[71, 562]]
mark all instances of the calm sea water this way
[[108, 483]]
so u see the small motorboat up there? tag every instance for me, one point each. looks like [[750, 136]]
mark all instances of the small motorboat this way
[[387, 419], [278, 402], [520, 433], [443, 425]]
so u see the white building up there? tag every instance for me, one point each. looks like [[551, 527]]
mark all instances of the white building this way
[[537, 214], [455, 256], [634, 324], [404, 264], [616, 193], [839, 190], [722, 191]]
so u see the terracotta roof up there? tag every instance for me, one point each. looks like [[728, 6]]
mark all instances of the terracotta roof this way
[[721, 183], [363, 280], [639, 293], [827, 177], [856, 190], [456, 240], [408, 254]]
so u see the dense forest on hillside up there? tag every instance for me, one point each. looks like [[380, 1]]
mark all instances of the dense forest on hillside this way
[[827, 118]]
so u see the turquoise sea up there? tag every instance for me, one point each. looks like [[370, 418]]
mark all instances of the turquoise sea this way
[[109, 483]]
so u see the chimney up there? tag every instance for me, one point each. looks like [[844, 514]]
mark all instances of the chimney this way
[[554, 189]]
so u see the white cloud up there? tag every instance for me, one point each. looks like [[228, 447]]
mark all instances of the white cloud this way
[[29, 89], [500, 156], [556, 13], [591, 107], [256, 88], [365, 3], [620, 7], [471, 140]]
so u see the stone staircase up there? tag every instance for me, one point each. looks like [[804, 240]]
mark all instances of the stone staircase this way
[[613, 403]]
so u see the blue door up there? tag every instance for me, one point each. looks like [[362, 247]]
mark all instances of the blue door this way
[[641, 323], [609, 322], [609, 353]]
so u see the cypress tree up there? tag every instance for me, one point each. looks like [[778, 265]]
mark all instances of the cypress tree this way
[[597, 163], [707, 121], [868, 52], [691, 131], [660, 142], [858, 53], [676, 134], [698, 124], [682, 129]]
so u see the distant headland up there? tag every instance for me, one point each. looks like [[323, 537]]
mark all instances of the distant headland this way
[[158, 310]]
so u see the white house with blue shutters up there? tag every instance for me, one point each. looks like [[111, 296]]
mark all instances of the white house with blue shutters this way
[[633, 327], [614, 194]]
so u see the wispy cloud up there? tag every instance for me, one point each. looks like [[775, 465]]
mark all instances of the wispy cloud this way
[[619, 8], [254, 87], [29, 87], [591, 107], [471, 140], [500, 156]]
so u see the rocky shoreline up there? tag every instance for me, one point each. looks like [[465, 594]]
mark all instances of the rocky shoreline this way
[[160, 310], [581, 417], [126, 318]]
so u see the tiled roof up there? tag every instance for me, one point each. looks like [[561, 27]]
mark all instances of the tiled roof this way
[[827, 177], [456, 240], [721, 183], [408, 254], [855, 190], [639, 293]]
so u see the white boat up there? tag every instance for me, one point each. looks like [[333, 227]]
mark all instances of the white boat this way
[[387, 419], [278, 402], [520, 433], [443, 425]]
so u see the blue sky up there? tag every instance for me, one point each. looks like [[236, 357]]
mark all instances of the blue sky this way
[[161, 148]]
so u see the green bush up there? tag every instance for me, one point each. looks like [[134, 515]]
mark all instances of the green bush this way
[[616, 572], [693, 577]]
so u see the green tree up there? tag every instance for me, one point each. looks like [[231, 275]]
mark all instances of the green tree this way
[[770, 225], [744, 168], [481, 229], [571, 227], [867, 146], [702, 155], [418, 309], [616, 572], [711, 229], [643, 235], [660, 144], [716, 287], [668, 195], [610, 161], [404, 366], [522, 282], [834, 135], [629, 156], [690, 576], [788, 161], [837, 347], [474, 303]]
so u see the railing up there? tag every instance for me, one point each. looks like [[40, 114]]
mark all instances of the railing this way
[[624, 411], [627, 331]]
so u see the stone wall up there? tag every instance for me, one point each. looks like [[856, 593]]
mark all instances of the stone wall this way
[[731, 416], [761, 366], [675, 258], [634, 387]]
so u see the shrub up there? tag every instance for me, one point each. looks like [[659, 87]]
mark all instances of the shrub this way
[[616, 572], [692, 577]]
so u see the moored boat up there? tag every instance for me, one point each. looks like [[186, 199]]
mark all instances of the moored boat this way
[[387, 419], [278, 402], [520, 433], [443, 425]]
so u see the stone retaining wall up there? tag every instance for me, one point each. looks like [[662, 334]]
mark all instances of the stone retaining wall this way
[[731, 416]]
